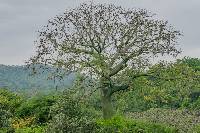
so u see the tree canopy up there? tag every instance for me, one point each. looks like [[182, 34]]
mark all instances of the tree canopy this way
[[103, 40]]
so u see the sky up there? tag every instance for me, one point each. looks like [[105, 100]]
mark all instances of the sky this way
[[21, 19]]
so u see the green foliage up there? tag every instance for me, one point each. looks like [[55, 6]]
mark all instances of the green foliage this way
[[5, 121], [9, 100], [4, 118], [170, 97], [62, 123], [171, 85], [36, 129], [19, 78], [196, 129], [192, 62], [37, 106], [123, 125], [131, 101], [70, 115], [195, 105], [183, 120]]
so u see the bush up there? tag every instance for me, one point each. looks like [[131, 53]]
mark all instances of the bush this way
[[195, 105], [22, 122], [123, 125], [38, 106], [196, 129], [9, 101], [71, 116], [4, 118], [62, 123], [172, 85], [37, 129], [5, 121], [183, 120]]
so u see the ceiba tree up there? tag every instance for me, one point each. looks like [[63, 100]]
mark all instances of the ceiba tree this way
[[103, 40]]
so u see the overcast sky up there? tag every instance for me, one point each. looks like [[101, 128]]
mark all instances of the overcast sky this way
[[20, 20]]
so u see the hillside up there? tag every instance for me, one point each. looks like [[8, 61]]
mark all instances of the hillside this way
[[19, 78]]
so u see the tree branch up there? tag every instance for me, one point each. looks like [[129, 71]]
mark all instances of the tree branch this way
[[119, 88], [125, 87]]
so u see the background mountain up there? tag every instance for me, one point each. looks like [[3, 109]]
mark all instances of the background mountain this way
[[19, 78]]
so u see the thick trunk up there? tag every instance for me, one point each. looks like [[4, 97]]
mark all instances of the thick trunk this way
[[107, 107], [106, 93]]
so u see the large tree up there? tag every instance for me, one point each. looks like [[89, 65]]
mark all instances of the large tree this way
[[103, 40]]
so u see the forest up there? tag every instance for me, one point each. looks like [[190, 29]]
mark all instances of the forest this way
[[20, 78], [94, 71], [167, 103]]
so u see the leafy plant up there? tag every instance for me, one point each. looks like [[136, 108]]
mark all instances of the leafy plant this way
[[70, 115], [9, 100], [34, 129], [183, 120], [38, 107], [123, 125]]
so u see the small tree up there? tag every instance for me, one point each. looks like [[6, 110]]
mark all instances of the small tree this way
[[104, 40]]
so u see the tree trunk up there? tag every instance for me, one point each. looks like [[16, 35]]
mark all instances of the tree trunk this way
[[107, 107], [106, 94]]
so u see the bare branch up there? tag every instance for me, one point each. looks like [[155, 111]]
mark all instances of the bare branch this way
[[106, 38]]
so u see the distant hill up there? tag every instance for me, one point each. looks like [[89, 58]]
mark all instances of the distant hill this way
[[18, 78]]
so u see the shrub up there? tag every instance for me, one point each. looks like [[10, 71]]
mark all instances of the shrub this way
[[62, 123], [38, 106], [5, 121], [4, 118], [9, 101], [71, 116], [123, 125], [37, 129], [195, 105], [183, 120], [196, 129], [23, 122]]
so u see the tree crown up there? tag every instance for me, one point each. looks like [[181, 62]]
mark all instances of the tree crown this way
[[104, 39]]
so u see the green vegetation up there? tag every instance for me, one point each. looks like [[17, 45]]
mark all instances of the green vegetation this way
[[21, 79], [116, 90], [124, 125], [38, 106], [103, 41], [153, 104], [182, 119]]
